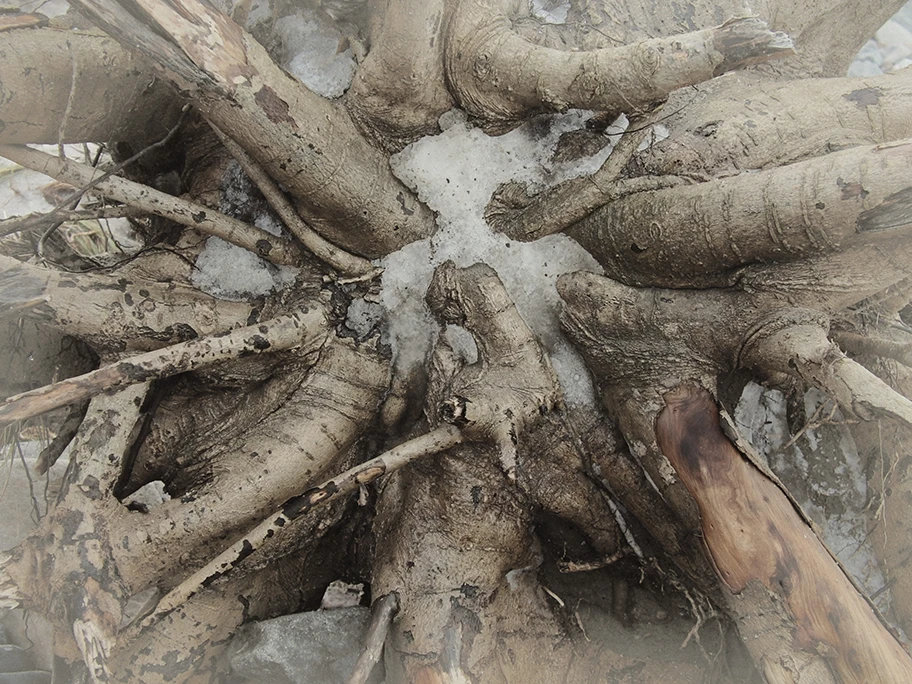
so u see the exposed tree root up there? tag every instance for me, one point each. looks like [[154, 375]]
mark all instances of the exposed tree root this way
[[838, 200], [482, 53], [343, 185], [468, 546]]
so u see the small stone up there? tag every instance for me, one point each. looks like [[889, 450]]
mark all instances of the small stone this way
[[318, 646]]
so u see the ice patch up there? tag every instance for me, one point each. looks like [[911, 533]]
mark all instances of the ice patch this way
[[313, 55], [455, 174]]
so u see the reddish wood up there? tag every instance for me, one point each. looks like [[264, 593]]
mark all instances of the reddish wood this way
[[753, 533]]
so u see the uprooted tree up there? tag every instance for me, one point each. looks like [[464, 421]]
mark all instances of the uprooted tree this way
[[766, 237]]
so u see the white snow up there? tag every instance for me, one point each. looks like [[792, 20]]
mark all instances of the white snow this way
[[231, 272], [49, 8], [550, 11], [149, 495], [455, 173], [313, 55], [363, 316]]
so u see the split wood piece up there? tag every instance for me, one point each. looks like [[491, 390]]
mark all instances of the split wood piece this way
[[278, 334], [862, 344], [795, 342], [275, 249], [321, 248], [440, 439], [563, 205], [382, 613], [798, 613], [484, 54], [696, 235], [343, 185]]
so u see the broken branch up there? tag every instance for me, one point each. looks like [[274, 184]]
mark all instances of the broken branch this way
[[283, 332], [384, 610], [795, 342], [563, 205], [272, 248]]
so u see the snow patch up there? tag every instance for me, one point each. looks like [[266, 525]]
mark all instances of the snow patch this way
[[49, 8], [363, 316], [455, 173], [231, 272], [313, 54], [149, 495], [550, 11], [462, 343]]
